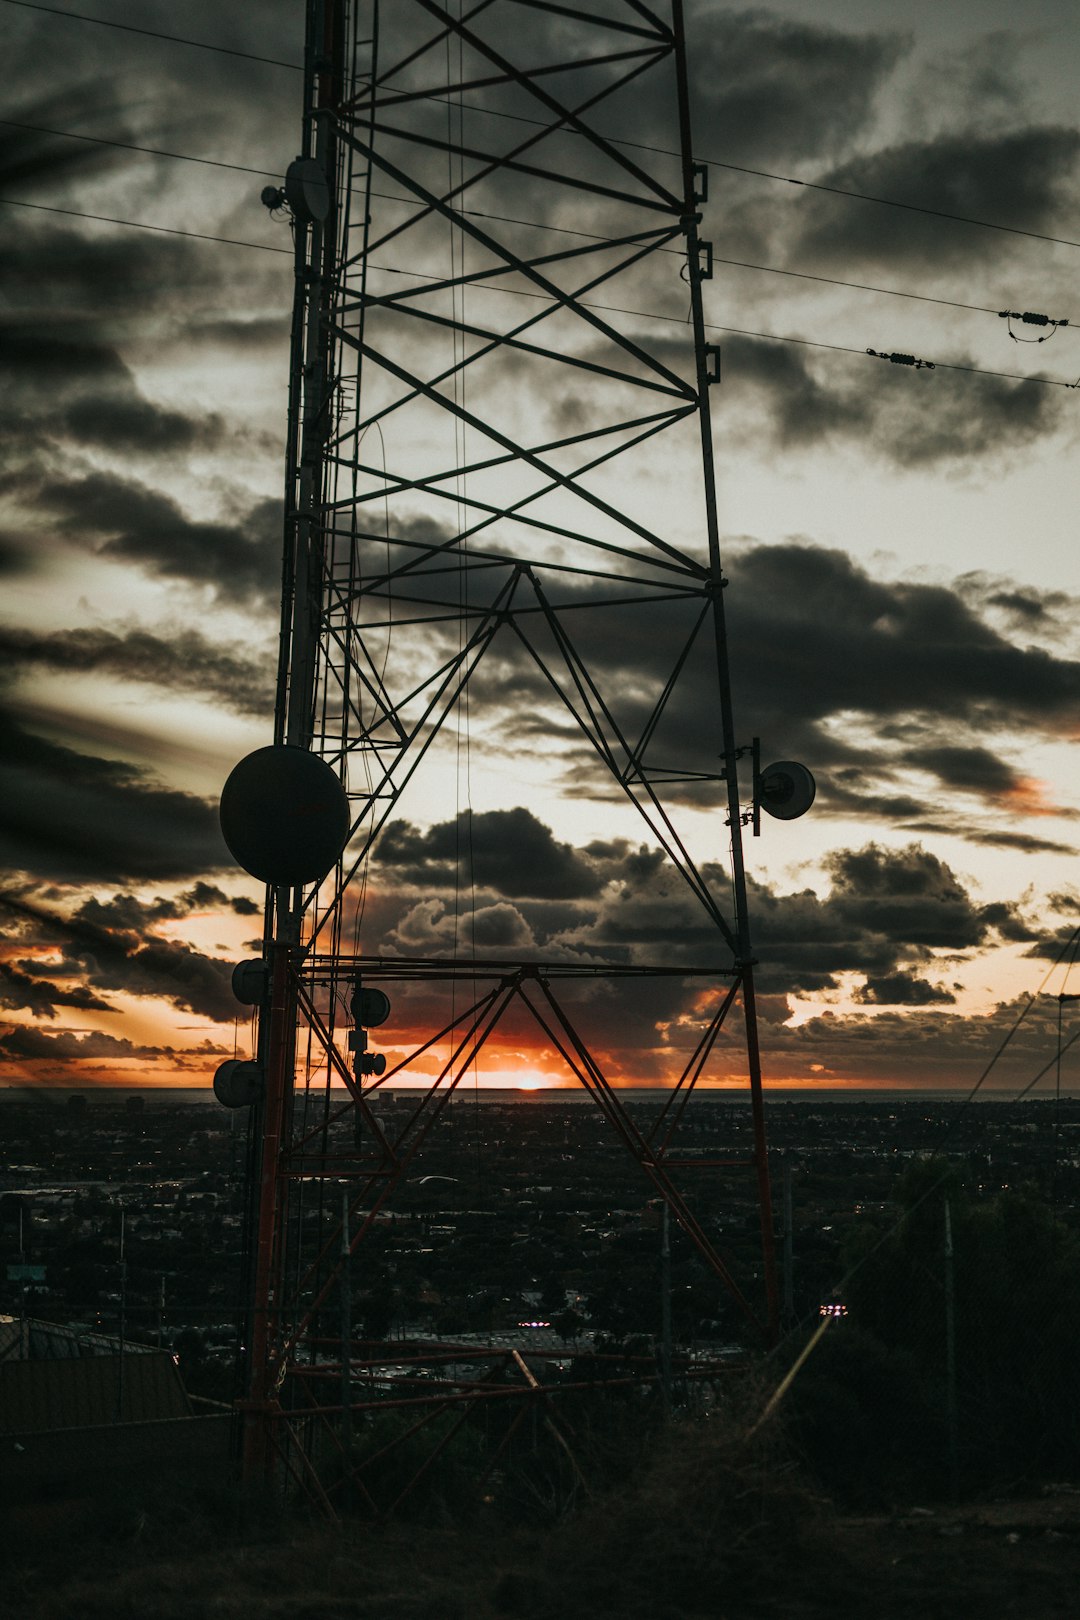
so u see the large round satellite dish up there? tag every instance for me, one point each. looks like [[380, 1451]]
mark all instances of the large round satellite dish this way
[[786, 790], [284, 815], [306, 190]]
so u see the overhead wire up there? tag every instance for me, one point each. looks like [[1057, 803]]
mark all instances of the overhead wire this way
[[771, 337], [892, 202], [858, 286], [817, 185], [132, 146], [153, 33], [890, 292], [516, 292], [847, 348], [141, 225], [640, 146], [813, 185], [509, 219]]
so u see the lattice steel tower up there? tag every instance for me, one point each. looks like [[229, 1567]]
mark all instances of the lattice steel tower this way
[[499, 484]]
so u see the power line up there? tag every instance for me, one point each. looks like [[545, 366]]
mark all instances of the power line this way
[[276, 174], [139, 225], [507, 219], [844, 348], [639, 146], [152, 33], [1015, 376], [886, 202], [858, 286], [515, 292], [810, 185], [130, 146]]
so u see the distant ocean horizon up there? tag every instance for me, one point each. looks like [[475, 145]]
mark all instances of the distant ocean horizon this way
[[550, 1096]]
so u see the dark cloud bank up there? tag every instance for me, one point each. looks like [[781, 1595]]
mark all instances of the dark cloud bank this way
[[812, 636], [901, 919], [104, 946], [893, 929], [184, 662], [77, 818], [768, 89], [1020, 178], [906, 418], [931, 687], [888, 910]]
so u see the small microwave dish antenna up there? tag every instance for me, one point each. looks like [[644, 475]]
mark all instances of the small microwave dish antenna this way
[[306, 190], [369, 1007], [786, 790], [284, 815], [238, 1084]]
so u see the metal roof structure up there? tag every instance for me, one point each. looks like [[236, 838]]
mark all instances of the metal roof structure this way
[[54, 1377]]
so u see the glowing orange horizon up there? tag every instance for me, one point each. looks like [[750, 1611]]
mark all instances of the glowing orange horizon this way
[[116, 1080]]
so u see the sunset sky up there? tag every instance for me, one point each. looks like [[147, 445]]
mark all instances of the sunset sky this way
[[900, 545]]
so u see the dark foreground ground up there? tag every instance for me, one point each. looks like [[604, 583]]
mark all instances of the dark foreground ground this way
[[707, 1533]]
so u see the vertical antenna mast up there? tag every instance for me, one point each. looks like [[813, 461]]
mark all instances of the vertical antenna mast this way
[[312, 194]]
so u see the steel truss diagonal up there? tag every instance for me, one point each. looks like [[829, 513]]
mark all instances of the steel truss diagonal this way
[[499, 484]]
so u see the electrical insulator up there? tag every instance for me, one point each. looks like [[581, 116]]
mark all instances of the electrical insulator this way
[[902, 360]]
